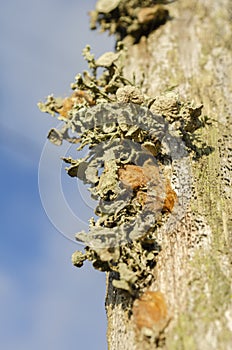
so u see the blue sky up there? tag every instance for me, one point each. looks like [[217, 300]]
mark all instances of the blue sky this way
[[45, 303]]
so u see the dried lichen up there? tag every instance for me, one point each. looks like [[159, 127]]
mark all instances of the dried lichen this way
[[150, 317], [132, 18], [134, 142]]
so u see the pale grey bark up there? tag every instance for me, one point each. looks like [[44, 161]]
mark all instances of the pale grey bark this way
[[193, 53]]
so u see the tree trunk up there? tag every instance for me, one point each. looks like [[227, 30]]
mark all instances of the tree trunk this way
[[192, 54]]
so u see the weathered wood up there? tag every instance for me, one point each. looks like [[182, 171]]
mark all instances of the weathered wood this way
[[192, 54]]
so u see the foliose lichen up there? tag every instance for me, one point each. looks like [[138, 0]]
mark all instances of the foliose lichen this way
[[131, 18], [133, 144]]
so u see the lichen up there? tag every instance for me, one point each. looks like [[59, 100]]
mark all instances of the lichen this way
[[131, 18], [134, 143], [150, 318], [132, 263]]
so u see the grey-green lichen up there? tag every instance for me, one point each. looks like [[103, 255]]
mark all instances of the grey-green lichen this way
[[132, 263], [132, 18], [121, 169], [125, 150], [91, 88]]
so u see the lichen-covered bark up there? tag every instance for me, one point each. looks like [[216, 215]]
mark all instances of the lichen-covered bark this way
[[191, 54]]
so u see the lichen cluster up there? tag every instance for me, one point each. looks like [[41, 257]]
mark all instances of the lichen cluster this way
[[128, 167], [132, 263], [132, 18]]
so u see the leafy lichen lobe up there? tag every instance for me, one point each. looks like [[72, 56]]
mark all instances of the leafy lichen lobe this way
[[115, 175]]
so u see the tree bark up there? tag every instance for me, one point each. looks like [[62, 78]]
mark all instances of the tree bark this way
[[192, 54]]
